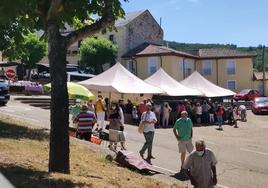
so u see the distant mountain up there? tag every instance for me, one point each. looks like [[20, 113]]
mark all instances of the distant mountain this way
[[195, 46]]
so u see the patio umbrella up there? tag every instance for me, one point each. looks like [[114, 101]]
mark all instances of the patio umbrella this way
[[75, 91]]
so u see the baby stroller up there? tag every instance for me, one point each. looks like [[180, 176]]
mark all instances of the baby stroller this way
[[116, 135]]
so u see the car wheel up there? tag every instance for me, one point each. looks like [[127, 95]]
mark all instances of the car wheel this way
[[254, 112]]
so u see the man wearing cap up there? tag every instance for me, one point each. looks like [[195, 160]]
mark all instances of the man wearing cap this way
[[200, 166], [183, 132], [149, 119]]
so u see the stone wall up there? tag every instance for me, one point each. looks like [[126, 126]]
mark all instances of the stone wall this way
[[143, 29]]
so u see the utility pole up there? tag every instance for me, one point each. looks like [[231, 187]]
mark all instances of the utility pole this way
[[263, 69]]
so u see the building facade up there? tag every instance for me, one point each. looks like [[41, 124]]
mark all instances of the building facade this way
[[227, 68]]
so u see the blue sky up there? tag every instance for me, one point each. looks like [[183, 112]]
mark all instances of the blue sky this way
[[240, 22]]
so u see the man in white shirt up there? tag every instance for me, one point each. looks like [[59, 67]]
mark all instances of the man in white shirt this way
[[149, 119]]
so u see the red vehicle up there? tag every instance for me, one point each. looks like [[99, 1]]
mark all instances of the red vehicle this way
[[247, 95], [260, 105]]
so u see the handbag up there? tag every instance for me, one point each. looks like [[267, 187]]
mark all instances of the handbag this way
[[141, 127]]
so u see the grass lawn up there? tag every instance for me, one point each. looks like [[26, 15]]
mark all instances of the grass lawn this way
[[24, 161]]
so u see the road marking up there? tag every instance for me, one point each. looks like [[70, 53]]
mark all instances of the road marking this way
[[223, 186], [252, 151], [165, 169]]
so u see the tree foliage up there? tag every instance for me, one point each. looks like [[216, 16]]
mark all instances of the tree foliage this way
[[53, 17], [96, 52], [33, 50], [30, 50], [196, 46]]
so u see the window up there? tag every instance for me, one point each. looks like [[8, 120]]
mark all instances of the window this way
[[188, 67], [207, 68], [231, 67], [231, 84], [131, 66], [152, 65]]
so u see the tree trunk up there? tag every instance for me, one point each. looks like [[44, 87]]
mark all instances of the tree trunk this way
[[98, 68], [59, 113], [29, 75]]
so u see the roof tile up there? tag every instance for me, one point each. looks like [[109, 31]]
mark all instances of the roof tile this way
[[223, 52], [147, 49], [128, 18]]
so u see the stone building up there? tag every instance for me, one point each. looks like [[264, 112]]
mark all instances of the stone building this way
[[131, 31]]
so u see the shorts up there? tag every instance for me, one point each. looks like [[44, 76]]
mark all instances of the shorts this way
[[84, 136], [186, 145]]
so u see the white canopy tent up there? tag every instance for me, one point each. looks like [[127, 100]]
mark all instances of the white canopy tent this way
[[170, 86], [197, 81], [119, 79]]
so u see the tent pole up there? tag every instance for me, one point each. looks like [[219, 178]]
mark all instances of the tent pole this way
[[109, 103]]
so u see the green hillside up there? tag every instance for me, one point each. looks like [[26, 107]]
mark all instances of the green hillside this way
[[196, 46]]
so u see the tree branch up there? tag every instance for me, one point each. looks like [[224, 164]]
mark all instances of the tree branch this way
[[54, 8], [107, 20]]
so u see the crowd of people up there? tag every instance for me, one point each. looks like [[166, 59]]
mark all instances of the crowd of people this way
[[90, 119], [201, 112]]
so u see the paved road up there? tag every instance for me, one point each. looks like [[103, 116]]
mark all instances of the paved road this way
[[242, 153]]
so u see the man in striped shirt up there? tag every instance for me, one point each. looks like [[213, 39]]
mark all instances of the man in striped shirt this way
[[85, 123]]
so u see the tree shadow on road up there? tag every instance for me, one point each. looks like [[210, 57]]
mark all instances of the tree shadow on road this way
[[11, 130], [29, 178]]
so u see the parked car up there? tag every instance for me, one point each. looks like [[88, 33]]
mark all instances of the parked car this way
[[4, 96], [44, 74], [260, 105], [247, 95]]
